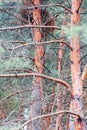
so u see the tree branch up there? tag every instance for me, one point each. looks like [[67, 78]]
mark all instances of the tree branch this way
[[29, 26], [47, 115], [39, 75], [51, 5], [41, 5], [46, 42]]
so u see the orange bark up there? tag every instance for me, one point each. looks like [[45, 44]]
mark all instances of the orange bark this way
[[20, 107], [84, 74], [76, 103], [59, 67], [2, 114], [37, 94], [38, 50]]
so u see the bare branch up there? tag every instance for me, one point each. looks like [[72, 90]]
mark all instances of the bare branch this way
[[51, 114], [39, 75], [51, 5], [41, 6], [46, 42], [29, 26]]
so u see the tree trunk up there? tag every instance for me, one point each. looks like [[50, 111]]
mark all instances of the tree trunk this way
[[37, 93], [77, 102], [59, 67]]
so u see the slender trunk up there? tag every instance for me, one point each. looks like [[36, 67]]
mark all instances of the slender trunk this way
[[20, 107], [84, 77], [37, 93], [2, 113], [76, 105], [59, 94], [84, 74]]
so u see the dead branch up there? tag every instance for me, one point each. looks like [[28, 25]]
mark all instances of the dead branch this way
[[51, 114], [29, 26], [41, 6], [46, 42], [51, 5], [39, 75]]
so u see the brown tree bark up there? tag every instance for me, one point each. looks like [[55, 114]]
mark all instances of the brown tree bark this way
[[77, 102], [59, 67], [20, 107], [84, 74], [37, 93], [2, 113]]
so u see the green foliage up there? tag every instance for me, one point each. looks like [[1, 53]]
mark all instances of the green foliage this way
[[10, 103], [69, 32], [1, 50], [13, 127], [16, 62]]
